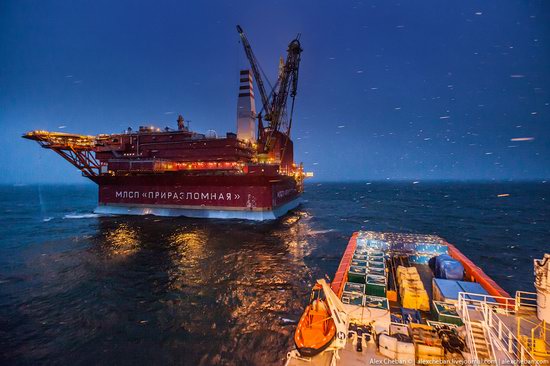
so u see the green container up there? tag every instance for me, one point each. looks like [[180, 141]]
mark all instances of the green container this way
[[376, 254], [359, 256], [376, 302], [376, 271], [376, 264], [376, 285], [446, 313], [354, 287], [352, 298], [358, 262], [357, 274]]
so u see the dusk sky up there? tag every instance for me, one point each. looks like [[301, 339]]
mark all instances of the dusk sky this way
[[410, 90]]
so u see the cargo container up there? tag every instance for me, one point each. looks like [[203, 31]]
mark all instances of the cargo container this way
[[375, 285]]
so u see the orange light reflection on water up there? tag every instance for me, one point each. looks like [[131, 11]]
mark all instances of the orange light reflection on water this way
[[123, 240]]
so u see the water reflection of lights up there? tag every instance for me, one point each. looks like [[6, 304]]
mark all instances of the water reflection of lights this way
[[123, 240], [295, 235], [291, 219], [188, 252], [191, 240]]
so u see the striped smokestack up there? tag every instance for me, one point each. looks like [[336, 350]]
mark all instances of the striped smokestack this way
[[246, 108]]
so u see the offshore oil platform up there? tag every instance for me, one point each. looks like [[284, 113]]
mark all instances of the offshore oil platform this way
[[250, 174]]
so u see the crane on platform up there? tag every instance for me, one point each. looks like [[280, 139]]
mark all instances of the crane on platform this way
[[274, 105]]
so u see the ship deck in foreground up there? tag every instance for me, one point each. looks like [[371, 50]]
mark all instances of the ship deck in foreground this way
[[395, 302]]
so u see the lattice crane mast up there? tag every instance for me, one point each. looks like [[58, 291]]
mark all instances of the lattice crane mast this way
[[275, 104]]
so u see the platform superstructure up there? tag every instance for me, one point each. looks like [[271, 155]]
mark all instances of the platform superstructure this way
[[250, 174]]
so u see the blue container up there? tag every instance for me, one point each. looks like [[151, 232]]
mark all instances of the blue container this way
[[431, 248], [475, 288], [420, 258], [446, 290], [352, 298], [378, 244], [448, 268], [362, 242], [406, 247]]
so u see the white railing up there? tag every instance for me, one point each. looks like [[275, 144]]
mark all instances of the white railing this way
[[500, 304], [465, 314], [506, 337], [489, 307], [477, 302], [526, 299]]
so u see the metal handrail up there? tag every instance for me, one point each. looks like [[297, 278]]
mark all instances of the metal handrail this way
[[526, 299], [495, 326], [463, 308], [541, 326], [506, 336], [477, 301]]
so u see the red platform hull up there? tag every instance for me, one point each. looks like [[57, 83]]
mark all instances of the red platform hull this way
[[226, 196]]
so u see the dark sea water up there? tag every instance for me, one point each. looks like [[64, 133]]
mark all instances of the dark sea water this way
[[80, 289]]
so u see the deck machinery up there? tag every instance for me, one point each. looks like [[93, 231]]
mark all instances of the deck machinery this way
[[250, 174]]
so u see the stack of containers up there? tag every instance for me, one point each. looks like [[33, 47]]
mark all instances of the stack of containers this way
[[375, 267], [357, 274], [376, 281], [367, 282], [411, 288]]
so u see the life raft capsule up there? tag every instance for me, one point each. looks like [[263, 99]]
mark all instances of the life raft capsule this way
[[316, 329]]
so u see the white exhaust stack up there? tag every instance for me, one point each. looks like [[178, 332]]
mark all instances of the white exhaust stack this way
[[542, 284], [246, 108]]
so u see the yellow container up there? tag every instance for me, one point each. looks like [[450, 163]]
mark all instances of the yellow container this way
[[411, 288]]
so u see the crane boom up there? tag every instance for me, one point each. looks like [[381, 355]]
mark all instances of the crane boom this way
[[255, 69], [287, 84], [275, 104]]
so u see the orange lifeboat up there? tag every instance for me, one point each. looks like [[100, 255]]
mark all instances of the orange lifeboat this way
[[316, 328]]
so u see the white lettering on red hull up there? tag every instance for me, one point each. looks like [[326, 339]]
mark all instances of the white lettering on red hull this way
[[178, 195], [250, 197]]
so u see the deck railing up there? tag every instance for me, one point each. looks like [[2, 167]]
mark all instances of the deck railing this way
[[507, 338], [490, 307], [465, 314], [537, 335], [526, 299], [500, 304]]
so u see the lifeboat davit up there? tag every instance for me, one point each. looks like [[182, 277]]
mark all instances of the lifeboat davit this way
[[316, 328]]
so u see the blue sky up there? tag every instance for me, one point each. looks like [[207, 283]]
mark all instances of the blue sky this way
[[401, 90]]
